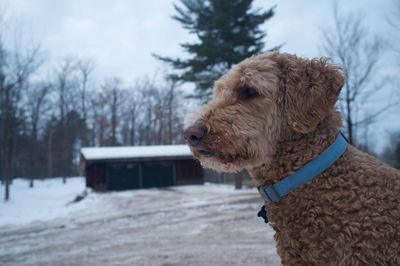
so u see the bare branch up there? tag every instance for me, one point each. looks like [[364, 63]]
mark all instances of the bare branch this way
[[349, 43]]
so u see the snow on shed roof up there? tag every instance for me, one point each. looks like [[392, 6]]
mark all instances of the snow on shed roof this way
[[109, 153]]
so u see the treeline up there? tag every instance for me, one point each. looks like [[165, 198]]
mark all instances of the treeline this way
[[45, 120]]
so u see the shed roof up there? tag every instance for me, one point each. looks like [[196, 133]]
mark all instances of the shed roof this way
[[111, 153]]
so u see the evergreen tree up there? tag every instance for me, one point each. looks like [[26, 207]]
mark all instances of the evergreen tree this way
[[228, 31]]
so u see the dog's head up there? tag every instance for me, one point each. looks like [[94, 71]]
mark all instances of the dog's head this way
[[255, 103]]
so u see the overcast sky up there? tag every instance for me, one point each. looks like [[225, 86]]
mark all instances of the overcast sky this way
[[121, 35]]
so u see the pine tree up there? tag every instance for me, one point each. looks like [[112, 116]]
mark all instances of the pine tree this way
[[228, 31]]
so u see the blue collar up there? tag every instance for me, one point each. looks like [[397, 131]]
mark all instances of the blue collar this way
[[305, 174]]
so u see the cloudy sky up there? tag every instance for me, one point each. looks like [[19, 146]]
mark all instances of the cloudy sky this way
[[121, 35]]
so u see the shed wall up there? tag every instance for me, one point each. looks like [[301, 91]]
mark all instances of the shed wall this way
[[123, 175], [96, 176]]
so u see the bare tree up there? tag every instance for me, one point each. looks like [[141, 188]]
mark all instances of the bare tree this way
[[394, 21], [65, 87], [147, 120], [349, 43], [16, 68], [173, 112], [107, 107], [85, 69], [37, 105], [115, 95], [131, 113], [161, 113], [100, 125]]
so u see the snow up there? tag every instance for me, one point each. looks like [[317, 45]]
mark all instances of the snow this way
[[101, 153], [186, 225], [47, 200]]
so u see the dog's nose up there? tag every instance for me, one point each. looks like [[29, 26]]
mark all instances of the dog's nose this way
[[194, 134]]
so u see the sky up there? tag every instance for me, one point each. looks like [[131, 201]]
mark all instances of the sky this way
[[122, 35]]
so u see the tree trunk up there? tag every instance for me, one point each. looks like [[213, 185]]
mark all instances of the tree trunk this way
[[7, 189], [349, 121], [114, 110], [133, 128], [50, 155], [350, 129], [238, 181]]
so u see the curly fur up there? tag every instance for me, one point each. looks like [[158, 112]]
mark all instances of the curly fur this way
[[348, 215]]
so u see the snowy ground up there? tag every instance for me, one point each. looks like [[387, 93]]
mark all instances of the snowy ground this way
[[47, 200], [190, 225]]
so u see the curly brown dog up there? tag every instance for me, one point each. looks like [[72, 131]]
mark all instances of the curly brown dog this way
[[272, 114]]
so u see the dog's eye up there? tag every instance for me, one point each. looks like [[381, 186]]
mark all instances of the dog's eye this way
[[247, 93]]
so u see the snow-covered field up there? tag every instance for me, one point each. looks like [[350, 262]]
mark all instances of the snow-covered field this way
[[47, 200], [188, 225]]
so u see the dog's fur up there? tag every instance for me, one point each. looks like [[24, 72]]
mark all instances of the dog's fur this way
[[348, 215]]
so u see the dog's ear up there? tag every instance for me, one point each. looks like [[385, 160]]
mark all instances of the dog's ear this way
[[311, 89]]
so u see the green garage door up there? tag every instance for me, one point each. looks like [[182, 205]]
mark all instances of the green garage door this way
[[122, 176], [158, 174]]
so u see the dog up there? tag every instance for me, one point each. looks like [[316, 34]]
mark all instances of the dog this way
[[271, 115]]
